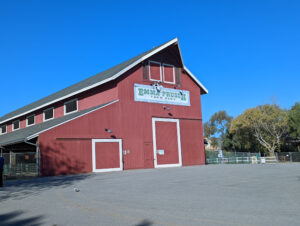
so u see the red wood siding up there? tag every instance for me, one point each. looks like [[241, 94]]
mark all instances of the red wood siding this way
[[94, 97], [192, 145], [58, 145], [129, 120], [168, 73], [155, 72], [107, 155], [166, 139]]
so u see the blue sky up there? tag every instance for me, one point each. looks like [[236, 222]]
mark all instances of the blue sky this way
[[246, 53]]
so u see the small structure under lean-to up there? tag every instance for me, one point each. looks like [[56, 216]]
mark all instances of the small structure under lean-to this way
[[142, 113]]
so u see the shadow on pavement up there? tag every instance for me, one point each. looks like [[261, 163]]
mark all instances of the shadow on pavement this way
[[144, 223], [19, 189], [8, 219]]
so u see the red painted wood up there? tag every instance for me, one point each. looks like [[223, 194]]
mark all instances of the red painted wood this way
[[166, 139], [129, 120], [169, 73], [192, 145], [107, 155], [155, 71]]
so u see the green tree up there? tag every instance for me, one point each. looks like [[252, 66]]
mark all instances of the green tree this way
[[217, 126], [294, 124], [267, 124]]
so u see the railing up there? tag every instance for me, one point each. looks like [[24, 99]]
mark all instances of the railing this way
[[20, 165], [212, 157], [288, 156]]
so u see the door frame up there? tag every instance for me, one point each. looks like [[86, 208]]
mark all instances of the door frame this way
[[94, 141], [154, 143]]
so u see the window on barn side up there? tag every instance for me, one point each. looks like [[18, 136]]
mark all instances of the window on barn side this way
[[155, 71], [16, 125], [3, 129], [169, 73], [71, 106], [48, 114], [30, 120]]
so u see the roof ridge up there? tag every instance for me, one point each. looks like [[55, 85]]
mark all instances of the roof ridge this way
[[76, 86]]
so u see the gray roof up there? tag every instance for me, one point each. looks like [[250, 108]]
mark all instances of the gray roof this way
[[20, 135], [78, 86]]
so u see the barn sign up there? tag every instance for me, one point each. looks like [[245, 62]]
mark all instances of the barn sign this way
[[159, 94]]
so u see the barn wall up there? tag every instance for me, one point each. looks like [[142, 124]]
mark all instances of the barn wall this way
[[67, 149], [94, 97], [137, 123]]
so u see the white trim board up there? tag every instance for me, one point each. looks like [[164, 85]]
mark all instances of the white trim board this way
[[70, 101], [175, 40], [12, 125], [168, 65], [33, 120], [45, 120], [94, 141], [195, 79], [160, 72], [36, 134], [102, 82], [154, 142]]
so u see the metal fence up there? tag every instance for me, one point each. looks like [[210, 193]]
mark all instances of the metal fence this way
[[288, 156], [212, 157], [18, 165]]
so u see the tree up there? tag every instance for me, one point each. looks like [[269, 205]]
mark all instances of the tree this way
[[294, 124], [217, 126], [267, 124]]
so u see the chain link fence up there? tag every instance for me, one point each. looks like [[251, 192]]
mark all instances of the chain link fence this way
[[19, 165]]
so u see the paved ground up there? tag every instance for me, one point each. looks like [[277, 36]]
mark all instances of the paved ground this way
[[200, 195]]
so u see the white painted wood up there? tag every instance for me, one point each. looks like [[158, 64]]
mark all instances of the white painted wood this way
[[160, 74], [155, 146], [94, 141], [169, 65]]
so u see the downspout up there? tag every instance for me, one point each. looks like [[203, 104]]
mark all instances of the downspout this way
[[37, 150]]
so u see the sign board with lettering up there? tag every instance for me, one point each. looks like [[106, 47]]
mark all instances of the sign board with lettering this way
[[159, 94]]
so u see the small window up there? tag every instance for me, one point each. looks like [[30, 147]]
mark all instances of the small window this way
[[16, 125], [30, 120], [154, 71], [48, 114], [71, 106], [169, 73], [3, 129]]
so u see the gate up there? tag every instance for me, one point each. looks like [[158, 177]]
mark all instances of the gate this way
[[20, 165]]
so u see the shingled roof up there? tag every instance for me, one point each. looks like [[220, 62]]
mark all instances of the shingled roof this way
[[30, 132], [92, 82]]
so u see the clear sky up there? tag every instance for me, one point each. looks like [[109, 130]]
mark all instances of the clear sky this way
[[246, 53]]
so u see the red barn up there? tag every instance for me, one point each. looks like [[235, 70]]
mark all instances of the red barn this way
[[142, 113]]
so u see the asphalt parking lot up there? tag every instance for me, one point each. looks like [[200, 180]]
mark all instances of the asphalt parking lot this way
[[198, 195]]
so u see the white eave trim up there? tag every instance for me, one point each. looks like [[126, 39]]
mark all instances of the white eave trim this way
[[175, 40], [37, 134], [195, 79]]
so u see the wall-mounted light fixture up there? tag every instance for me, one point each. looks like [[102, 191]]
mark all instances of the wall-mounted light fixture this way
[[108, 130], [166, 108]]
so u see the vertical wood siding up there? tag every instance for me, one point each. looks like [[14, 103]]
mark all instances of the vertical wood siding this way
[[130, 121]]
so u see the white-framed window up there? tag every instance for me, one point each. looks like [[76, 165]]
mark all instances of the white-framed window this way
[[30, 120], [71, 106], [48, 114], [154, 71], [3, 129], [169, 73], [16, 125]]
